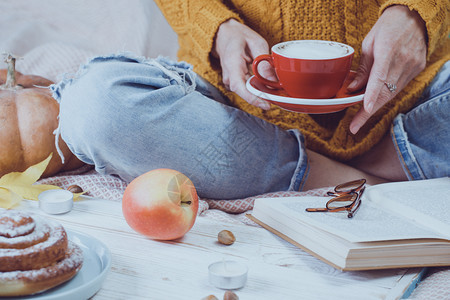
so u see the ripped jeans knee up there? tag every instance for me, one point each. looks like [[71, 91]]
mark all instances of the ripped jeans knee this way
[[129, 115]]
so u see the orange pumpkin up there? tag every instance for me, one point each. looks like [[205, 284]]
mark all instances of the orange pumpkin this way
[[28, 117]]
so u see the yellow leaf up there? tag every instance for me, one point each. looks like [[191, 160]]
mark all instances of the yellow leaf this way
[[8, 199], [29, 176], [16, 186], [76, 196], [30, 192]]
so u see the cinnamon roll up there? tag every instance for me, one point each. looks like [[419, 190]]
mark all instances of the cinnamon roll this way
[[35, 254]]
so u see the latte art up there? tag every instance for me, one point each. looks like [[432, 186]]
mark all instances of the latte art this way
[[313, 50]]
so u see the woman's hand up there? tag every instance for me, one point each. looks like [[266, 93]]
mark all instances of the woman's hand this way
[[394, 52], [236, 46]]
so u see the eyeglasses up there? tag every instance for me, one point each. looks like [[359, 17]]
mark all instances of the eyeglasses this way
[[347, 197]]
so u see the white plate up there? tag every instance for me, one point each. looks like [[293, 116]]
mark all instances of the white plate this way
[[89, 280], [312, 106]]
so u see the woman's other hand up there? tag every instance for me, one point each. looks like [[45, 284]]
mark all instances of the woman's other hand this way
[[236, 46], [393, 52]]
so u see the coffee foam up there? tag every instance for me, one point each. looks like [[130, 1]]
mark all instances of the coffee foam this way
[[313, 50]]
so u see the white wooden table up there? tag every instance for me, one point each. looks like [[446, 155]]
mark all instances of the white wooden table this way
[[147, 269]]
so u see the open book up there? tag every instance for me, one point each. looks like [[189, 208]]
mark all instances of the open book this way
[[401, 224]]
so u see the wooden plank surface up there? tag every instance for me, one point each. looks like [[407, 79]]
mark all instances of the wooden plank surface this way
[[147, 269]]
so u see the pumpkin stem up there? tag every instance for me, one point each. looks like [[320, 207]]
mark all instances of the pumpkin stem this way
[[11, 74]]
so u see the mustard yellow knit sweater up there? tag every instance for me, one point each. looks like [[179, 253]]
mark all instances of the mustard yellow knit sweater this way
[[196, 23]]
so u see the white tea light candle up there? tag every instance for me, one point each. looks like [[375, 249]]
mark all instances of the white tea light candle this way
[[228, 274], [55, 201]]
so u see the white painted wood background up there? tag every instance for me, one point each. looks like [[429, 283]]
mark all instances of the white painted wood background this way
[[147, 269]]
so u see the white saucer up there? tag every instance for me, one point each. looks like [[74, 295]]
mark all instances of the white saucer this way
[[311, 106]]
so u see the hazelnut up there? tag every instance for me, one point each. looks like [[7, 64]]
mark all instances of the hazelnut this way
[[226, 237], [75, 189], [210, 297], [229, 295]]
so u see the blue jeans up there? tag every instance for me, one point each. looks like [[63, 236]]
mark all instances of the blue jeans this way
[[128, 115], [422, 136]]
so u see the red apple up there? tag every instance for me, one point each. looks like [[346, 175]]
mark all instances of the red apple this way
[[161, 204]]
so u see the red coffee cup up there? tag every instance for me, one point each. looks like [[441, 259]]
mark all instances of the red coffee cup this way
[[310, 69]]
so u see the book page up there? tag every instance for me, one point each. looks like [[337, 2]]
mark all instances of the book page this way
[[425, 202], [369, 224]]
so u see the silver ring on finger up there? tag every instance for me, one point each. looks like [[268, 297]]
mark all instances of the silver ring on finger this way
[[391, 86]]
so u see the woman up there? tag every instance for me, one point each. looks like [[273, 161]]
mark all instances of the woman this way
[[156, 113]]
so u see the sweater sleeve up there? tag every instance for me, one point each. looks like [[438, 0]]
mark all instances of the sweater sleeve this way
[[196, 21], [436, 15]]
